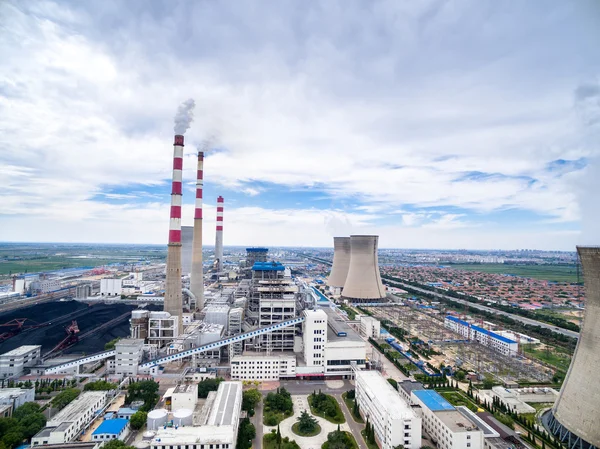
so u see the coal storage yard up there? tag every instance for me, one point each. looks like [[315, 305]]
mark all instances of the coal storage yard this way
[[56, 316]]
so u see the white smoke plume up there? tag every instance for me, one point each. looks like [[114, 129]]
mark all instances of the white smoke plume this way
[[337, 224], [184, 116]]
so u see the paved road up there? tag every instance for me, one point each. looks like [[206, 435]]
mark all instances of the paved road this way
[[308, 386], [522, 319], [258, 425], [355, 427]]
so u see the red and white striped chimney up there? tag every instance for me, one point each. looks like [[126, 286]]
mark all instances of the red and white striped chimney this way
[[197, 274], [173, 298], [219, 235]]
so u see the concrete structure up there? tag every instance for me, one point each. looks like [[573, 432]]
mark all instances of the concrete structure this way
[[197, 273], [575, 415], [343, 348], [185, 396], [128, 356], [110, 287], [235, 327], [187, 239], [67, 424], [16, 397], [173, 296], [162, 328], [483, 336], [83, 291], [219, 235], [45, 285], [406, 387], [314, 334], [370, 327], [263, 367], [111, 429], [13, 363], [363, 283], [447, 427], [254, 255], [394, 421], [341, 264]]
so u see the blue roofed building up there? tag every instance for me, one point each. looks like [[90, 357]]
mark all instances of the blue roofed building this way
[[111, 429], [125, 412], [483, 336]]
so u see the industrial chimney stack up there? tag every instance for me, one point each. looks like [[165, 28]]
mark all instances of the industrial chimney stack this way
[[575, 416], [341, 264], [197, 274], [363, 283], [219, 235], [173, 298]]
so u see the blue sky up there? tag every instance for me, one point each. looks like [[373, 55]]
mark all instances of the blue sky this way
[[434, 124]]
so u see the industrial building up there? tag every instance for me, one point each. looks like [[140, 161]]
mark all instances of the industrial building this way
[[16, 397], [67, 424], [393, 419], [13, 363], [262, 367], [340, 266], [448, 428], [370, 327], [483, 336], [110, 287], [111, 429], [128, 356], [575, 415], [363, 283]]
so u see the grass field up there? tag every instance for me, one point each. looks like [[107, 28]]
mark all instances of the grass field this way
[[48, 264], [558, 273], [551, 356]]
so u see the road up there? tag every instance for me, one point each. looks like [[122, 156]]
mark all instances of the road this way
[[522, 319], [258, 425], [355, 427]]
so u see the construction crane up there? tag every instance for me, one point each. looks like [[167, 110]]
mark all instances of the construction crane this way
[[16, 326], [72, 337]]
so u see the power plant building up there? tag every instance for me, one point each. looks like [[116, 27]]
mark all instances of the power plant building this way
[[575, 416], [363, 283], [493, 340], [13, 363]]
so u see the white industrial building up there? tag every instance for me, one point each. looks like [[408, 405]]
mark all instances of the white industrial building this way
[[184, 396], [128, 356], [13, 363], [67, 424], [394, 421], [218, 423], [369, 327], [446, 426], [46, 285], [263, 367], [110, 287], [16, 397], [483, 336]]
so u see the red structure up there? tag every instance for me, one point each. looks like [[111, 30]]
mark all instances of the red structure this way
[[16, 326]]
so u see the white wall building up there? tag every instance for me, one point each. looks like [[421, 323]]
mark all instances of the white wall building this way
[[128, 356], [110, 287], [314, 331], [446, 426], [369, 327], [46, 285], [394, 421], [263, 367], [71, 420], [16, 397], [12, 363], [483, 336], [184, 396]]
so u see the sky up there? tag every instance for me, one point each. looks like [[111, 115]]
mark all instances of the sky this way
[[433, 124]]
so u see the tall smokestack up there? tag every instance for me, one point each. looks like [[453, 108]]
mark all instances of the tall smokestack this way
[[575, 415], [197, 275], [363, 283], [219, 236], [341, 263], [173, 299]]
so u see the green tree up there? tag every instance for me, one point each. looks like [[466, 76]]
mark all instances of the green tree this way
[[62, 399], [26, 409], [138, 420], [111, 344], [116, 444], [460, 375], [250, 398], [207, 385], [246, 434], [393, 383], [278, 436], [13, 438], [307, 423], [146, 391], [99, 385]]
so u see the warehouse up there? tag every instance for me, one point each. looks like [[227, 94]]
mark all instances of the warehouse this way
[[111, 429], [483, 336]]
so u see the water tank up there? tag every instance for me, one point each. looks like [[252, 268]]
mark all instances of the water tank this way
[[157, 418], [148, 435], [182, 417], [143, 445]]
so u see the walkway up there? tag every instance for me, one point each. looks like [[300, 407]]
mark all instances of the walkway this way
[[355, 427]]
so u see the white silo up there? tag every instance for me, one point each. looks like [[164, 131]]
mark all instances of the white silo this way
[[157, 418], [341, 264], [182, 417], [363, 283]]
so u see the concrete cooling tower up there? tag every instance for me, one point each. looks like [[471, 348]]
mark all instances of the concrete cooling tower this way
[[341, 263], [575, 416], [363, 283]]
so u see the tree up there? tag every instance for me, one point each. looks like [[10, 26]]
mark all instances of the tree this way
[[99, 385], [138, 420], [111, 344], [207, 385], [460, 375], [307, 423], [278, 436], [250, 398], [62, 399], [146, 391], [116, 444], [393, 383], [246, 434]]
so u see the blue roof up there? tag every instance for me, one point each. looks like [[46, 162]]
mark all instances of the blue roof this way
[[267, 266], [257, 250], [481, 329], [126, 411], [432, 400], [111, 426]]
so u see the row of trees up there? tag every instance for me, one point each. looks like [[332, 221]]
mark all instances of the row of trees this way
[[100, 385], [326, 405], [277, 406], [65, 397]]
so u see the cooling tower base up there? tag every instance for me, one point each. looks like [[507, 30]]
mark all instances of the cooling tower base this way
[[568, 438]]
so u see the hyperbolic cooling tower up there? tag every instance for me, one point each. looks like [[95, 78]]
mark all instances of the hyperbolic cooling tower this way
[[364, 281], [197, 273], [341, 262], [173, 297], [575, 416]]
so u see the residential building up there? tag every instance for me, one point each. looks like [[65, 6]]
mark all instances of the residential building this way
[[12, 363], [263, 367], [394, 420], [483, 336], [111, 429]]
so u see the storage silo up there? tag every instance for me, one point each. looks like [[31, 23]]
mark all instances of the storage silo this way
[[157, 418], [182, 417]]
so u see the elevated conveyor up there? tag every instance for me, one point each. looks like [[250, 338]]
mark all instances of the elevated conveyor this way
[[82, 361]]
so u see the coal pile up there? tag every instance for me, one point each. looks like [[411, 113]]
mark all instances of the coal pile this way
[[60, 314]]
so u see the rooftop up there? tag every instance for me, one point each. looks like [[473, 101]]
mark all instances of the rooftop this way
[[186, 388], [480, 329], [338, 329], [12, 392], [376, 386], [112, 426], [45, 432], [201, 435], [455, 421], [22, 350], [488, 431], [72, 411], [410, 385], [227, 404], [433, 400], [267, 266]]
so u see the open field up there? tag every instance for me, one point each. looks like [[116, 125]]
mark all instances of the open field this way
[[558, 273], [550, 356]]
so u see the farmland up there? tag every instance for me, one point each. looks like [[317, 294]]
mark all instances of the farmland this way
[[557, 273]]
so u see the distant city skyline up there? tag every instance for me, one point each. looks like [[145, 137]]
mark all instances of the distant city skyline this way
[[434, 125]]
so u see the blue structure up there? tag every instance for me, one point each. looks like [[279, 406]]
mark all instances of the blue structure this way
[[267, 266], [481, 330], [433, 400], [110, 429]]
